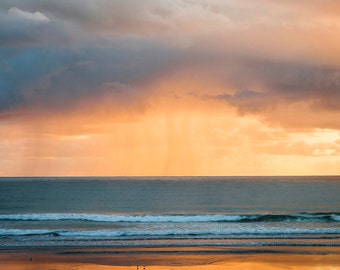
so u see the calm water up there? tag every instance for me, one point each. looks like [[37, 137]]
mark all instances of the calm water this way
[[212, 211]]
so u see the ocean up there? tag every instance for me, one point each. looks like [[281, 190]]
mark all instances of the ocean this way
[[169, 211]]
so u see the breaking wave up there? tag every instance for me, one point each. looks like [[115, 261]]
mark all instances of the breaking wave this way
[[299, 217], [164, 233]]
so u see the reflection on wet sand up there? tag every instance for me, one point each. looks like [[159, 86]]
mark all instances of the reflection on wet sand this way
[[172, 258]]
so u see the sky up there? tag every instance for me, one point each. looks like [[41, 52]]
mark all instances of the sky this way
[[169, 87]]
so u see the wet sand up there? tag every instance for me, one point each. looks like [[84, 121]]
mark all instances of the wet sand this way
[[210, 258]]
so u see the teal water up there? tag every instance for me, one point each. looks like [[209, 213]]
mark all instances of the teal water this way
[[183, 211]]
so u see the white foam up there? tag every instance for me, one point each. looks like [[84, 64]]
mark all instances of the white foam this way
[[187, 233], [335, 217], [121, 218], [190, 233], [21, 232], [168, 218]]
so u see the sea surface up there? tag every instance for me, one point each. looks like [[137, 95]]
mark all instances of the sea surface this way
[[170, 211]]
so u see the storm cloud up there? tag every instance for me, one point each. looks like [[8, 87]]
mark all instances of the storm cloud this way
[[258, 86], [57, 54]]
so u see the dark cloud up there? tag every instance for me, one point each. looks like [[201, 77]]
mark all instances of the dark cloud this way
[[103, 18], [259, 85], [54, 60], [59, 79], [59, 53], [247, 101]]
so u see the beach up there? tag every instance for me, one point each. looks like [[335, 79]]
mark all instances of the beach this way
[[210, 258]]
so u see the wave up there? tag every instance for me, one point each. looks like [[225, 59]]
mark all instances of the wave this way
[[187, 234], [26, 232], [299, 217]]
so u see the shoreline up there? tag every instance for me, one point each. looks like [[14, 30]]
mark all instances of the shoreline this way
[[185, 258]]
